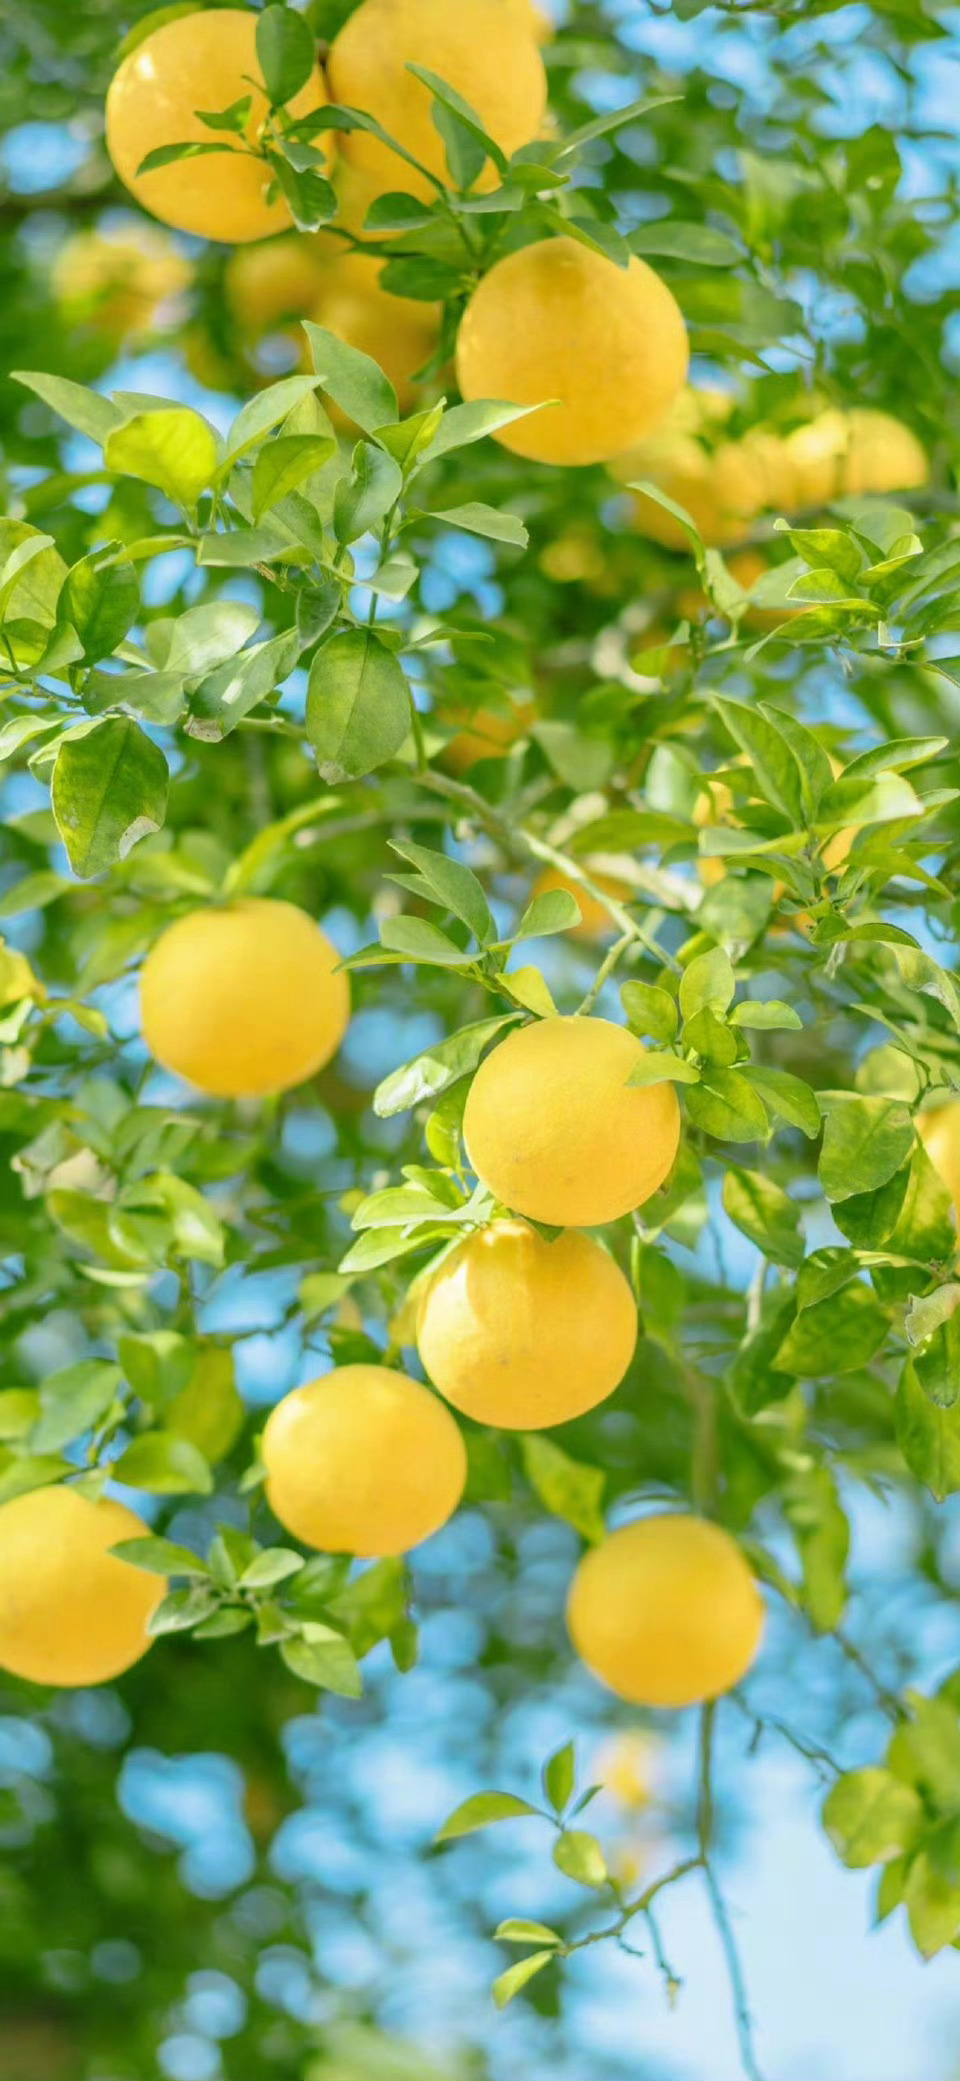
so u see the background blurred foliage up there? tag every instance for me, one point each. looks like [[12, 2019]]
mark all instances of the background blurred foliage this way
[[165, 1907]]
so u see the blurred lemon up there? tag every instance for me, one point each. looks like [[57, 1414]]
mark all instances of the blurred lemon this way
[[117, 284]]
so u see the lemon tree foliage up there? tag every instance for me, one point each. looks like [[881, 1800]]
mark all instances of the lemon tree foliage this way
[[480, 1015]]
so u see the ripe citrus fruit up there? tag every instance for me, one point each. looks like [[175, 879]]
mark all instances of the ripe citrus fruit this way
[[399, 332], [199, 61], [245, 999], [118, 285], [666, 1611], [559, 321], [71, 1612], [939, 1132], [554, 1130], [595, 919], [523, 1333], [486, 733], [274, 283], [363, 1461], [481, 48], [844, 454]]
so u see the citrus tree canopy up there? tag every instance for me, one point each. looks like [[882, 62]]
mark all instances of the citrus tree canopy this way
[[479, 1034]]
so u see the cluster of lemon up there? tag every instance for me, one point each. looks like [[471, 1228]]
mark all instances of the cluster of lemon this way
[[540, 323], [726, 484]]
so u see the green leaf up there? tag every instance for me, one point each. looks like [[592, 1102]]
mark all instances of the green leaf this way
[[231, 690], [775, 769], [481, 1811], [516, 1931], [208, 1410], [725, 1104], [698, 244], [73, 1401], [933, 1906], [489, 521], [262, 413], [109, 789], [100, 599], [165, 1466], [817, 1520], [161, 1557], [83, 409], [579, 1857], [449, 99], [559, 1777], [275, 1564], [870, 1817], [353, 380], [516, 1976], [415, 939], [708, 980], [436, 1068], [453, 885], [286, 53], [554, 910], [566, 1487], [650, 1010], [661, 1066], [865, 1140], [358, 705], [788, 1098], [363, 498], [765, 1213], [677, 512], [173, 449], [284, 463], [767, 1016], [466, 423], [324, 1658], [928, 1435], [837, 1335]]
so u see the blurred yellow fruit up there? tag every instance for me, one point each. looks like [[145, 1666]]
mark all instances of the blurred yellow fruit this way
[[847, 454], [363, 1461], [71, 1612], [558, 321], [624, 1768], [523, 1333], [535, 20], [118, 284], [399, 332], [595, 919], [487, 733], [939, 1131], [244, 999], [555, 1131], [481, 48], [270, 284], [199, 61], [666, 1611]]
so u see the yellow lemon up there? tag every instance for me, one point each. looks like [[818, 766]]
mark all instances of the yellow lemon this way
[[535, 20], [244, 1000], [118, 285], [939, 1131], [398, 332], [71, 1612], [487, 733], [666, 1611], [199, 61], [269, 284], [479, 47], [555, 1131], [559, 321], [363, 1461], [845, 454], [595, 919], [523, 1333]]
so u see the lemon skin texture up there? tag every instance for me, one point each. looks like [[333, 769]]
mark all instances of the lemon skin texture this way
[[523, 1333], [71, 1612], [244, 1000], [200, 61], [666, 1612], [363, 1461], [558, 321], [482, 48], [939, 1132], [555, 1132]]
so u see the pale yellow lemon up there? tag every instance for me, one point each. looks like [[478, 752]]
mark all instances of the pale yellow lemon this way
[[199, 61], [268, 284], [844, 454], [626, 1767], [595, 919], [666, 1612], [522, 1333], [555, 1131], [118, 284], [535, 20], [939, 1131], [486, 733], [558, 321], [244, 999], [398, 332], [481, 48], [722, 492], [363, 1461], [71, 1612]]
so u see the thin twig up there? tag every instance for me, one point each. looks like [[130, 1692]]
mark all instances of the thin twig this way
[[718, 1906], [605, 970]]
